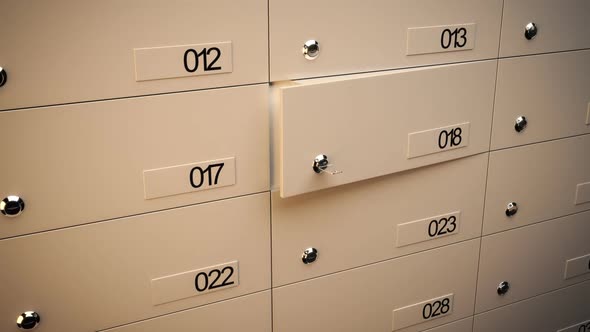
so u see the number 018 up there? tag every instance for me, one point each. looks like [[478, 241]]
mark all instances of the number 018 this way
[[450, 138]]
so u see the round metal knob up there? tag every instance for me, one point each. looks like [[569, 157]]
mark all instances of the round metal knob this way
[[511, 209], [3, 77], [311, 49], [12, 206], [520, 123], [28, 320], [503, 288], [309, 255], [320, 163], [530, 31]]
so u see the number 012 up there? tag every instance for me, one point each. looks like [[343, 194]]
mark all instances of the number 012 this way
[[204, 53]]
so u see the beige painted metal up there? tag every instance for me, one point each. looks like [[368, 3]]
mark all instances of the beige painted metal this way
[[415, 313], [250, 313], [434, 227], [577, 266], [463, 325], [172, 287], [98, 276], [549, 312], [81, 163], [200, 59], [68, 51], [169, 181], [583, 193], [358, 224], [562, 25], [365, 123], [541, 178], [441, 38], [363, 299], [356, 36], [532, 259], [552, 91]]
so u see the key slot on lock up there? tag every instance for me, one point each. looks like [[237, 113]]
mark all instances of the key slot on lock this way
[[321, 165]]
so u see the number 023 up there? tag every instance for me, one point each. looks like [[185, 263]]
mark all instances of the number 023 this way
[[442, 226]]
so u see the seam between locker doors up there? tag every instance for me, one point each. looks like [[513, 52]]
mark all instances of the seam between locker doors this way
[[487, 170], [80, 102], [133, 215]]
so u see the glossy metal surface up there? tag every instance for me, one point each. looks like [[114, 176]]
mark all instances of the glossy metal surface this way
[[309, 255], [311, 49], [511, 209], [28, 320], [530, 31], [503, 288], [12, 206], [3, 77], [520, 123]]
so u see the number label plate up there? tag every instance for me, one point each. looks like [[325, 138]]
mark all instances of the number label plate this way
[[190, 177], [428, 229], [577, 266], [580, 327], [423, 311], [438, 140], [444, 38], [180, 61], [196, 282]]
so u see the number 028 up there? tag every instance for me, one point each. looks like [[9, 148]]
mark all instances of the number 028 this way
[[436, 308]]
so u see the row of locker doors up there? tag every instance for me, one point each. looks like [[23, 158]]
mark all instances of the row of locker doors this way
[[383, 249], [153, 212], [152, 269], [146, 154], [66, 51]]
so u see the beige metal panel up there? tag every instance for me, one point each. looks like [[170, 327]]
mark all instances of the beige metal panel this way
[[551, 91], [68, 51], [98, 276], [356, 36], [250, 313], [549, 312], [463, 325], [363, 299], [532, 260], [81, 163], [375, 124], [543, 179], [561, 25], [359, 224]]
